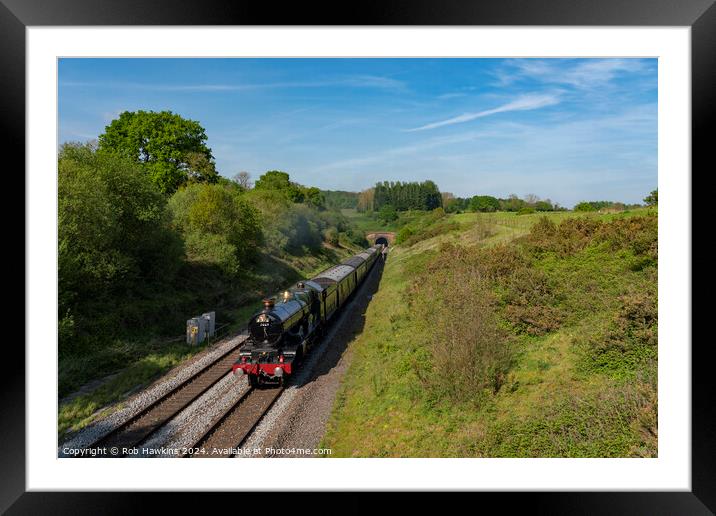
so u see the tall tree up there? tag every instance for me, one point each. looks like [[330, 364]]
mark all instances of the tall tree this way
[[171, 148], [219, 225], [447, 198], [653, 198], [365, 200], [531, 199], [407, 196], [484, 203], [314, 197], [243, 179], [280, 181], [114, 237], [512, 203]]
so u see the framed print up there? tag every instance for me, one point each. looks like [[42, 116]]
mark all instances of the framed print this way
[[215, 194]]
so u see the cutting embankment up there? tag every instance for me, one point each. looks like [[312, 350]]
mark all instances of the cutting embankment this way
[[497, 335]]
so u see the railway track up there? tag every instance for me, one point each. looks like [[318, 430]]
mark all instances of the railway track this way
[[226, 432], [141, 426], [233, 426]]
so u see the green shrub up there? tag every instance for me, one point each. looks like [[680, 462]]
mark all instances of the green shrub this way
[[525, 211], [616, 421], [296, 229], [213, 249], [530, 302], [490, 263], [484, 228], [567, 238], [543, 230], [639, 234], [630, 339], [387, 213], [485, 203], [219, 226], [452, 303], [114, 237], [436, 214], [431, 231], [331, 236], [404, 234], [333, 219], [357, 237], [416, 226], [585, 206]]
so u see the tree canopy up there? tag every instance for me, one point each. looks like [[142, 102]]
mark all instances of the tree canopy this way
[[279, 181], [387, 213], [407, 196], [488, 203], [484, 203], [338, 199], [219, 226], [593, 205], [113, 232], [171, 148]]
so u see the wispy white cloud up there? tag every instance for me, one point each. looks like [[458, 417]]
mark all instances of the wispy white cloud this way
[[152, 87], [582, 74], [405, 151], [581, 158], [359, 81], [454, 95], [523, 103], [370, 81]]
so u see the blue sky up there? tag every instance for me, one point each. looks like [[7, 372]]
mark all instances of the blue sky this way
[[564, 129]]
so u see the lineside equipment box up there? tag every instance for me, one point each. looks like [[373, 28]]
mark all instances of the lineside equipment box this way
[[196, 330], [210, 318]]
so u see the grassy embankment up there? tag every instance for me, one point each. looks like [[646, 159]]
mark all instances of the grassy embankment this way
[[110, 373], [508, 336], [367, 222]]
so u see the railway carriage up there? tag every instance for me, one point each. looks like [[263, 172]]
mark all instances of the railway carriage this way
[[283, 331], [344, 280]]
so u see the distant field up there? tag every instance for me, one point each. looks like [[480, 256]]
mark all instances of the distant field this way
[[508, 225], [365, 222], [576, 376]]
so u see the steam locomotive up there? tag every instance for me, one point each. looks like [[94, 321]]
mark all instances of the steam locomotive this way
[[291, 321]]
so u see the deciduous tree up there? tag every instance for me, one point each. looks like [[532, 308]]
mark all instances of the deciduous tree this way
[[171, 148], [653, 198], [243, 179]]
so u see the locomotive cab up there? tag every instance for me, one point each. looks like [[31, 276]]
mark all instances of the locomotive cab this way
[[278, 337]]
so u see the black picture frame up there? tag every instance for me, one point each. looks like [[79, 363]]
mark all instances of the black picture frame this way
[[700, 15]]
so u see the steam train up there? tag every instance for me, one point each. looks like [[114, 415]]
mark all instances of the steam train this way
[[291, 321]]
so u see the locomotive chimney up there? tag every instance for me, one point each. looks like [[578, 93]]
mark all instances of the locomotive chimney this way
[[268, 304]]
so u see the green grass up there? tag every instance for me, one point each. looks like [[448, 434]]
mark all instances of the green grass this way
[[82, 409], [586, 388], [370, 222]]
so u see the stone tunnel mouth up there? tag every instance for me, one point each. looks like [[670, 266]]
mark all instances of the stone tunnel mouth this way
[[382, 240]]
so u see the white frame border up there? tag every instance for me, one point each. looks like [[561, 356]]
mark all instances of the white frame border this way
[[670, 471]]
